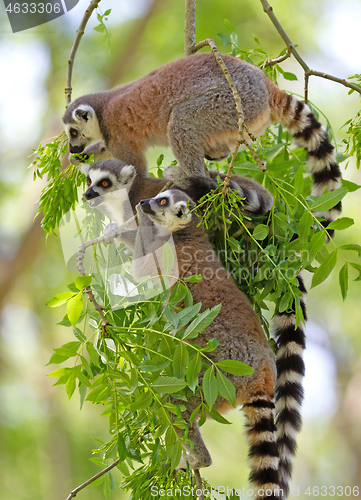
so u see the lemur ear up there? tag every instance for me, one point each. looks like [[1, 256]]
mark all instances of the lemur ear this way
[[84, 168], [127, 174], [82, 114]]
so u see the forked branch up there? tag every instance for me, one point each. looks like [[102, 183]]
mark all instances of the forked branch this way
[[291, 48]]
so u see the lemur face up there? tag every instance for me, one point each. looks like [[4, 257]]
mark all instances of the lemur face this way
[[170, 209], [82, 129], [103, 182]]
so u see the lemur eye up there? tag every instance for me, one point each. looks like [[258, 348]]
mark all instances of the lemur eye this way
[[73, 132], [105, 184], [88, 182], [163, 201]]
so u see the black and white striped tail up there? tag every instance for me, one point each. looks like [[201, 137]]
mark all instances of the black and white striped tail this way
[[263, 454], [310, 134], [289, 389]]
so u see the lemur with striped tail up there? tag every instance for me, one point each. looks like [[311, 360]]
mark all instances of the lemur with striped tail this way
[[237, 329], [188, 105]]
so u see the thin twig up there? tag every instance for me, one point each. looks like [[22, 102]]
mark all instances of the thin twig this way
[[79, 33], [308, 72], [237, 99], [307, 78], [272, 62], [199, 484], [92, 479], [189, 27]]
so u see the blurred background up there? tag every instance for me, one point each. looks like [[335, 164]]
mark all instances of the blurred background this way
[[46, 441]]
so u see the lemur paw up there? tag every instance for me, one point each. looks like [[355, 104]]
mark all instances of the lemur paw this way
[[110, 232], [174, 174]]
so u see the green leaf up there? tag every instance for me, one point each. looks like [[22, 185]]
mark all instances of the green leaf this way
[[74, 308], [234, 367], [143, 401], [194, 414], [325, 268], [107, 12], [210, 387], [340, 224], [350, 186], [260, 232], [219, 418], [71, 384], [168, 385], [81, 376], [328, 200], [289, 76], [305, 224], [180, 361], [225, 388], [358, 267], [100, 28], [343, 279], [229, 26], [298, 181], [192, 371], [160, 160], [256, 39], [151, 366], [315, 245], [352, 247], [82, 281], [225, 39], [187, 314], [194, 279], [59, 299], [94, 356], [122, 449], [201, 322]]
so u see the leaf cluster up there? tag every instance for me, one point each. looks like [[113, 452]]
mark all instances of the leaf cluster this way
[[142, 372]]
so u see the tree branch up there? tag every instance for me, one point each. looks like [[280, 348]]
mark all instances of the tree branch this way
[[189, 27], [79, 33], [272, 62], [237, 99], [92, 479], [199, 484], [308, 72]]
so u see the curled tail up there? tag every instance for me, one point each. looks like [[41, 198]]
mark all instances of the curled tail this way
[[310, 134], [289, 390]]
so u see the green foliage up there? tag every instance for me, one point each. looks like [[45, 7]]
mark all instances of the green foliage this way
[[60, 193], [265, 254], [148, 363], [101, 27], [257, 56], [144, 357]]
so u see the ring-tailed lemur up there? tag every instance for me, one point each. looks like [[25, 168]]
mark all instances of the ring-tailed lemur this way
[[188, 105], [237, 329], [109, 176]]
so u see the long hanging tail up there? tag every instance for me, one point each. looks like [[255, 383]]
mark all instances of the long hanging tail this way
[[263, 454], [289, 390], [310, 134]]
